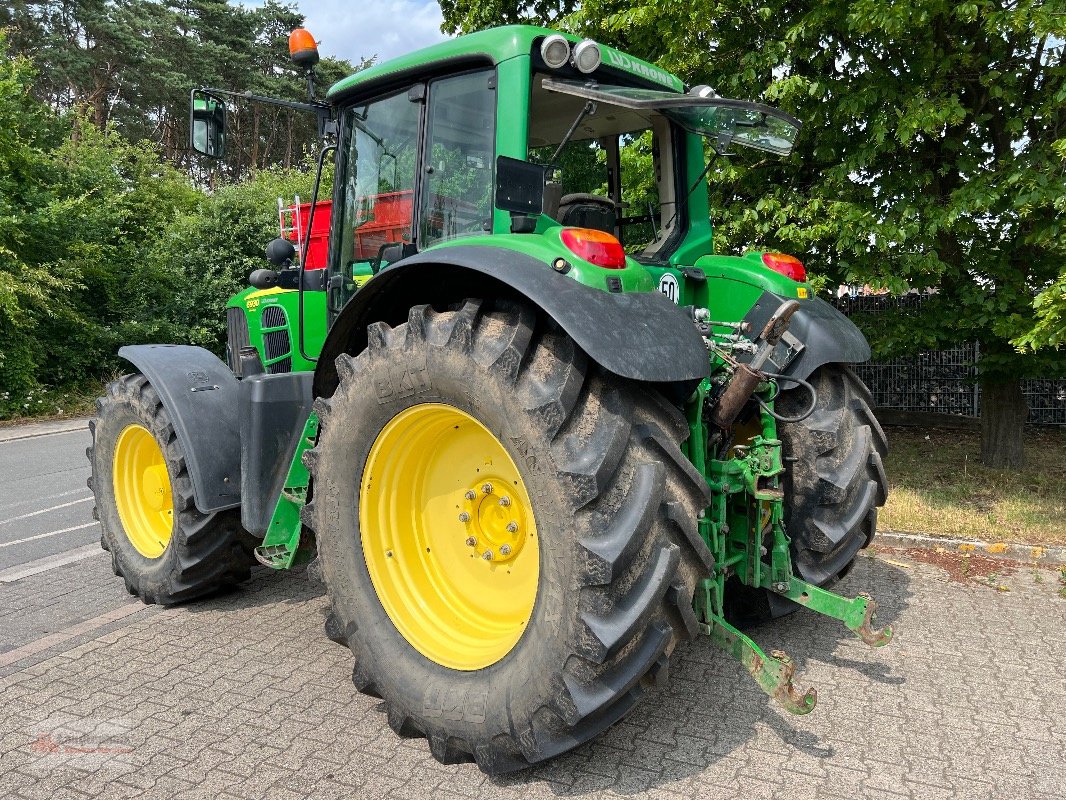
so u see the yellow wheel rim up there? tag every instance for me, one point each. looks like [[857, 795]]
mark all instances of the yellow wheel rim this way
[[448, 536], [142, 491]]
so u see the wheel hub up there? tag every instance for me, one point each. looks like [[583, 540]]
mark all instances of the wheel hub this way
[[143, 496], [155, 486], [495, 523]]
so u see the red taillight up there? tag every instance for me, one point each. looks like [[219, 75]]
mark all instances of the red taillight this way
[[598, 247], [789, 266]]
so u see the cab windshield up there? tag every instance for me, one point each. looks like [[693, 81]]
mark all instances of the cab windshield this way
[[613, 168]]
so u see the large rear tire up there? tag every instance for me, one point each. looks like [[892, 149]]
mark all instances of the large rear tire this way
[[164, 549], [834, 477], [598, 486]]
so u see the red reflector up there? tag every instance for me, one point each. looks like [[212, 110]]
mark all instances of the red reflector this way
[[789, 266], [598, 247]]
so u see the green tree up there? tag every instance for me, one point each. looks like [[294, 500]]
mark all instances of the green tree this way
[[130, 64], [928, 161], [463, 16], [79, 209], [104, 241], [26, 288], [1050, 305], [1050, 328], [111, 201]]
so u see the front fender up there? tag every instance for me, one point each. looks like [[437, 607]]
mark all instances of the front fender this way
[[640, 335], [200, 395], [817, 334]]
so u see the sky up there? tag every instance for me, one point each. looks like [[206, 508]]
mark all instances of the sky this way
[[354, 29]]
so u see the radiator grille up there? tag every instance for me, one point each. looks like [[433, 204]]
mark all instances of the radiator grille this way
[[277, 343], [285, 365], [274, 317], [236, 338]]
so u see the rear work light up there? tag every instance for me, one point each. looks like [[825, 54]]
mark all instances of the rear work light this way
[[555, 50], [789, 266], [587, 56], [597, 247]]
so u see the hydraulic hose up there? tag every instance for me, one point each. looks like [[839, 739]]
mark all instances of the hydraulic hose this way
[[810, 389]]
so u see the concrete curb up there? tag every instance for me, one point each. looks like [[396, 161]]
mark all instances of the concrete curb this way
[[1015, 551], [32, 430]]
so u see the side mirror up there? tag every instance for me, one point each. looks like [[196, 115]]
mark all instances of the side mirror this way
[[520, 186], [207, 124]]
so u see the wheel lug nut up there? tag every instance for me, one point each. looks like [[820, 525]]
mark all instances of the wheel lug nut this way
[[471, 541], [487, 488], [470, 494], [487, 555], [505, 501], [464, 517], [505, 550], [512, 527]]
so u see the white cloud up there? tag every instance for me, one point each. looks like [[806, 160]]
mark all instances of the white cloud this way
[[358, 30]]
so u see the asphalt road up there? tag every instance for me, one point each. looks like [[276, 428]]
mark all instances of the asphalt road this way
[[45, 506], [46, 532]]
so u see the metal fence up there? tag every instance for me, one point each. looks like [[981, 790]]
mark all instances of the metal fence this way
[[943, 381]]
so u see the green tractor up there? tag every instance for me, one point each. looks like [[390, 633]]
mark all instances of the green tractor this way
[[533, 431]]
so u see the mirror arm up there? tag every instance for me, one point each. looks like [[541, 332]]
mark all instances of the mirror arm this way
[[315, 108]]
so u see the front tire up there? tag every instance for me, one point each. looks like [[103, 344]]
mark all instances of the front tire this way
[[611, 497], [165, 550]]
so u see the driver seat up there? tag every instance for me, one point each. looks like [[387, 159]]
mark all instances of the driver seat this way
[[588, 211]]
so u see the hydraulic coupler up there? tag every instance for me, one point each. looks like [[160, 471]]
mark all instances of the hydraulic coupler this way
[[748, 376]]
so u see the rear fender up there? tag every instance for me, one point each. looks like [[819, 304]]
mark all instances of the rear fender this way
[[639, 335], [201, 397], [817, 334]]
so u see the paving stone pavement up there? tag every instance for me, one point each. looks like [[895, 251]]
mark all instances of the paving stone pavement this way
[[242, 696]]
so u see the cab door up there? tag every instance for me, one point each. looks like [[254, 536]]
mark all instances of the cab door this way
[[414, 167]]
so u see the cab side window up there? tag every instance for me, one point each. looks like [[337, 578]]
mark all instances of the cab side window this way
[[381, 156], [457, 190]]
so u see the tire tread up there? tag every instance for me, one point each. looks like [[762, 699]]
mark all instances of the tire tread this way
[[635, 496]]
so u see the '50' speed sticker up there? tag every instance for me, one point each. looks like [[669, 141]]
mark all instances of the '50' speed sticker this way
[[668, 286]]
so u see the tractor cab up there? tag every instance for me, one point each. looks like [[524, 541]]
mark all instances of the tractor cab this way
[[522, 131], [619, 149]]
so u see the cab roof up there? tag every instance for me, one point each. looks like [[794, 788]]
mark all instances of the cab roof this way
[[495, 45]]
